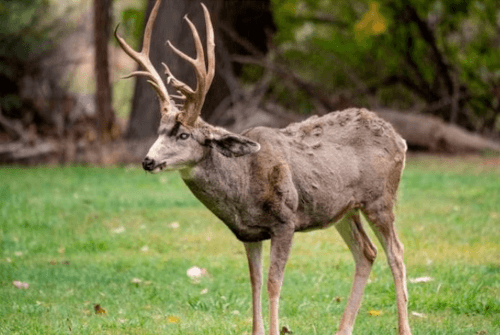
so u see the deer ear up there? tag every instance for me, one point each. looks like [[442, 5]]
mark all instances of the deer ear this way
[[232, 145]]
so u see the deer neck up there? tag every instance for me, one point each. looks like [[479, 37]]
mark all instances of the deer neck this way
[[218, 180]]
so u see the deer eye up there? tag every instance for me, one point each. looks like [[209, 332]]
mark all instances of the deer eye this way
[[184, 136]]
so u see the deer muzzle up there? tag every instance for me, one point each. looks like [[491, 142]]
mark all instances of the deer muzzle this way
[[149, 164]]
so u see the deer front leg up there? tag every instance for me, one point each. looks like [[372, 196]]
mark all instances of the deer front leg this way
[[254, 255], [280, 249]]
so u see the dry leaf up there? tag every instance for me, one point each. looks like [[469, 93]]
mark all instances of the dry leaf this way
[[99, 310], [338, 299], [20, 285], [173, 319], [136, 281], [375, 313], [285, 330], [119, 230], [204, 291], [419, 315], [421, 280], [61, 250], [196, 273]]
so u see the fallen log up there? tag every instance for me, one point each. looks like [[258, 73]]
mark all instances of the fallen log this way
[[21, 152], [429, 133]]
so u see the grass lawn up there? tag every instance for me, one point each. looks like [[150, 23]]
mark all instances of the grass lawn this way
[[124, 239]]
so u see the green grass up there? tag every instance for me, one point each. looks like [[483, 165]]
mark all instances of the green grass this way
[[58, 233]]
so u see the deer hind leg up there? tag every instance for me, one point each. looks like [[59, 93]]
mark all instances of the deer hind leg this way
[[381, 218], [364, 253], [281, 243], [254, 255]]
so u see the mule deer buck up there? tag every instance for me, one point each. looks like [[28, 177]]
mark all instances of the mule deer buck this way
[[270, 183]]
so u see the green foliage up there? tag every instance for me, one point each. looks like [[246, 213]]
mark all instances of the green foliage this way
[[76, 235], [407, 52], [131, 20], [28, 32]]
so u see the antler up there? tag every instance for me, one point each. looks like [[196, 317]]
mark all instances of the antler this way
[[143, 59], [194, 99]]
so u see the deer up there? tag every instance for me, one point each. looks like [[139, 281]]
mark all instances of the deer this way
[[267, 184]]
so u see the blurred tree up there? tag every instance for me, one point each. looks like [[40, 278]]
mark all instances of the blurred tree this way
[[105, 114], [438, 56], [249, 20], [26, 38]]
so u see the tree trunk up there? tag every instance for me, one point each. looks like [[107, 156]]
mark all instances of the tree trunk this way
[[249, 18], [105, 115]]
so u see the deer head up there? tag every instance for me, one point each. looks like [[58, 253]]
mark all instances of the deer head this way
[[184, 138]]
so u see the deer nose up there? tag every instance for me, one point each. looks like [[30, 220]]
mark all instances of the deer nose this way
[[148, 164]]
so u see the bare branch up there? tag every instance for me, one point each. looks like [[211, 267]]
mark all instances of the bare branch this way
[[428, 36], [13, 128]]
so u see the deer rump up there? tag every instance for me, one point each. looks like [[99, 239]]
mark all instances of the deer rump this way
[[309, 174]]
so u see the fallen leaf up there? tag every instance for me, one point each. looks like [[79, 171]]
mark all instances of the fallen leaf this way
[[99, 310], [418, 315], [119, 230], [20, 285], [285, 330], [8, 260], [375, 313], [136, 281], [173, 319], [421, 280], [338, 299], [204, 291], [196, 273], [61, 250], [145, 248]]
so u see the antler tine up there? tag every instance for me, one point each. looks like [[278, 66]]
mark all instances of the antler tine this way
[[195, 98], [142, 58], [210, 47]]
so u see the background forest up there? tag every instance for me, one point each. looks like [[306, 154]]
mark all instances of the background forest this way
[[277, 62]]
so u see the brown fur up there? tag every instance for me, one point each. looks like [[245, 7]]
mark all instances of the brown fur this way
[[309, 175], [269, 183]]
